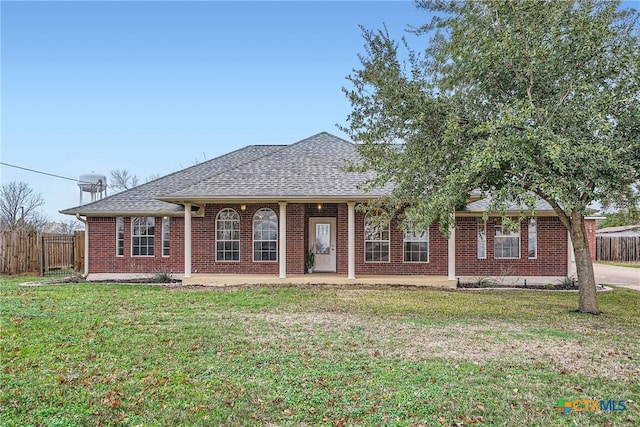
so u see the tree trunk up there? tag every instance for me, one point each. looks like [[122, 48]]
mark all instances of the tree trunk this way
[[588, 302]]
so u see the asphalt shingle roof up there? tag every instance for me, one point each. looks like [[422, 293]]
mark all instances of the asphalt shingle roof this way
[[483, 204], [313, 167], [141, 199]]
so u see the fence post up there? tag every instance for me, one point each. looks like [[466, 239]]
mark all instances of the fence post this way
[[43, 255]]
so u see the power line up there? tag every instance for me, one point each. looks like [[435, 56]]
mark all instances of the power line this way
[[42, 173]]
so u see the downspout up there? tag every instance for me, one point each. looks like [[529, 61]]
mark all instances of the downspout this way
[[86, 245]]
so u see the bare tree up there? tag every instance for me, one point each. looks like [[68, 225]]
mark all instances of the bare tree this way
[[70, 226], [19, 207], [122, 179]]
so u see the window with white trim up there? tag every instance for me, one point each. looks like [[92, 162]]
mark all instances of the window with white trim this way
[[228, 235], [142, 236], [416, 245], [165, 236], [482, 238], [506, 243], [533, 238], [265, 235], [119, 236], [376, 239]]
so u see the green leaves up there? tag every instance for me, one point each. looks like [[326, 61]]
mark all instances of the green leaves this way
[[520, 96]]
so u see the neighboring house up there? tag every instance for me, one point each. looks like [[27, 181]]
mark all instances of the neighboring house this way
[[259, 209], [620, 243], [620, 231]]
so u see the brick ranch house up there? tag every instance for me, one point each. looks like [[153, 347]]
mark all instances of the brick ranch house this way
[[259, 209]]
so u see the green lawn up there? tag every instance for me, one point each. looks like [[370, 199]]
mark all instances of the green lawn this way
[[90, 354], [629, 264]]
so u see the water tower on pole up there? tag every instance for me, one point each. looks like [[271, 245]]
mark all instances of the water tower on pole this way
[[93, 183]]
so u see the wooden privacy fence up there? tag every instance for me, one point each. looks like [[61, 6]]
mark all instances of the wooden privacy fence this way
[[43, 254], [618, 248]]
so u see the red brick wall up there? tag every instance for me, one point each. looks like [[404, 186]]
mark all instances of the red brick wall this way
[[590, 225], [296, 238], [203, 256], [203, 242], [342, 240], [552, 250], [438, 253], [102, 248], [551, 261]]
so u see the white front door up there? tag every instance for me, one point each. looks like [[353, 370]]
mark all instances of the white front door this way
[[322, 241]]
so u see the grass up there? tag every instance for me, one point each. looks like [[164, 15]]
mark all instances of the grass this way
[[105, 354], [629, 264]]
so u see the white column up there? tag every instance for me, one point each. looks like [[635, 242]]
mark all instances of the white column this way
[[282, 237], [351, 233], [187, 240], [451, 248]]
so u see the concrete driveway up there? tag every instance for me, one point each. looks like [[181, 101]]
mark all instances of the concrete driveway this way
[[622, 276]]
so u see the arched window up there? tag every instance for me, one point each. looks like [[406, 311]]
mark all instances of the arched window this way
[[227, 235], [265, 235], [376, 239]]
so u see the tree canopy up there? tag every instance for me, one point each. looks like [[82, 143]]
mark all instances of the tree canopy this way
[[517, 100]]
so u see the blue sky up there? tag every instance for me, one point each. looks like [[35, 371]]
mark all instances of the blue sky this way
[[152, 87]]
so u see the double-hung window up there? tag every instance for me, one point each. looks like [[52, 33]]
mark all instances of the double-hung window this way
[[506, 241], [416, 245], [376, 239], [142, 236]]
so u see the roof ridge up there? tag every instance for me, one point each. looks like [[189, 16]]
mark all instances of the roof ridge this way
[[325, 133]]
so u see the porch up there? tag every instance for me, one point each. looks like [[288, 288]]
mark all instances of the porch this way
[[223, 280]]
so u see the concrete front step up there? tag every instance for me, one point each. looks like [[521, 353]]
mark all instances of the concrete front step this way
[[315, 279]]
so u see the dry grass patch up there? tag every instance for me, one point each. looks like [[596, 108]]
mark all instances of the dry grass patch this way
[[566, 351]]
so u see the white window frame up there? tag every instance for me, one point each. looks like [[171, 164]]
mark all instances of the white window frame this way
[[258, 219], [149, 222], [374, 234], [166, 233], [482, 239], [119, 236], [414, 236], [533, 224], [499, 227], [225, 223]]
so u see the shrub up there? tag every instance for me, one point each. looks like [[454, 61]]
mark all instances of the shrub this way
[[568, 282], [162, 276]]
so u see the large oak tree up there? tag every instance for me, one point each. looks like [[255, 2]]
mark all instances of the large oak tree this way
[[515, 99]]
